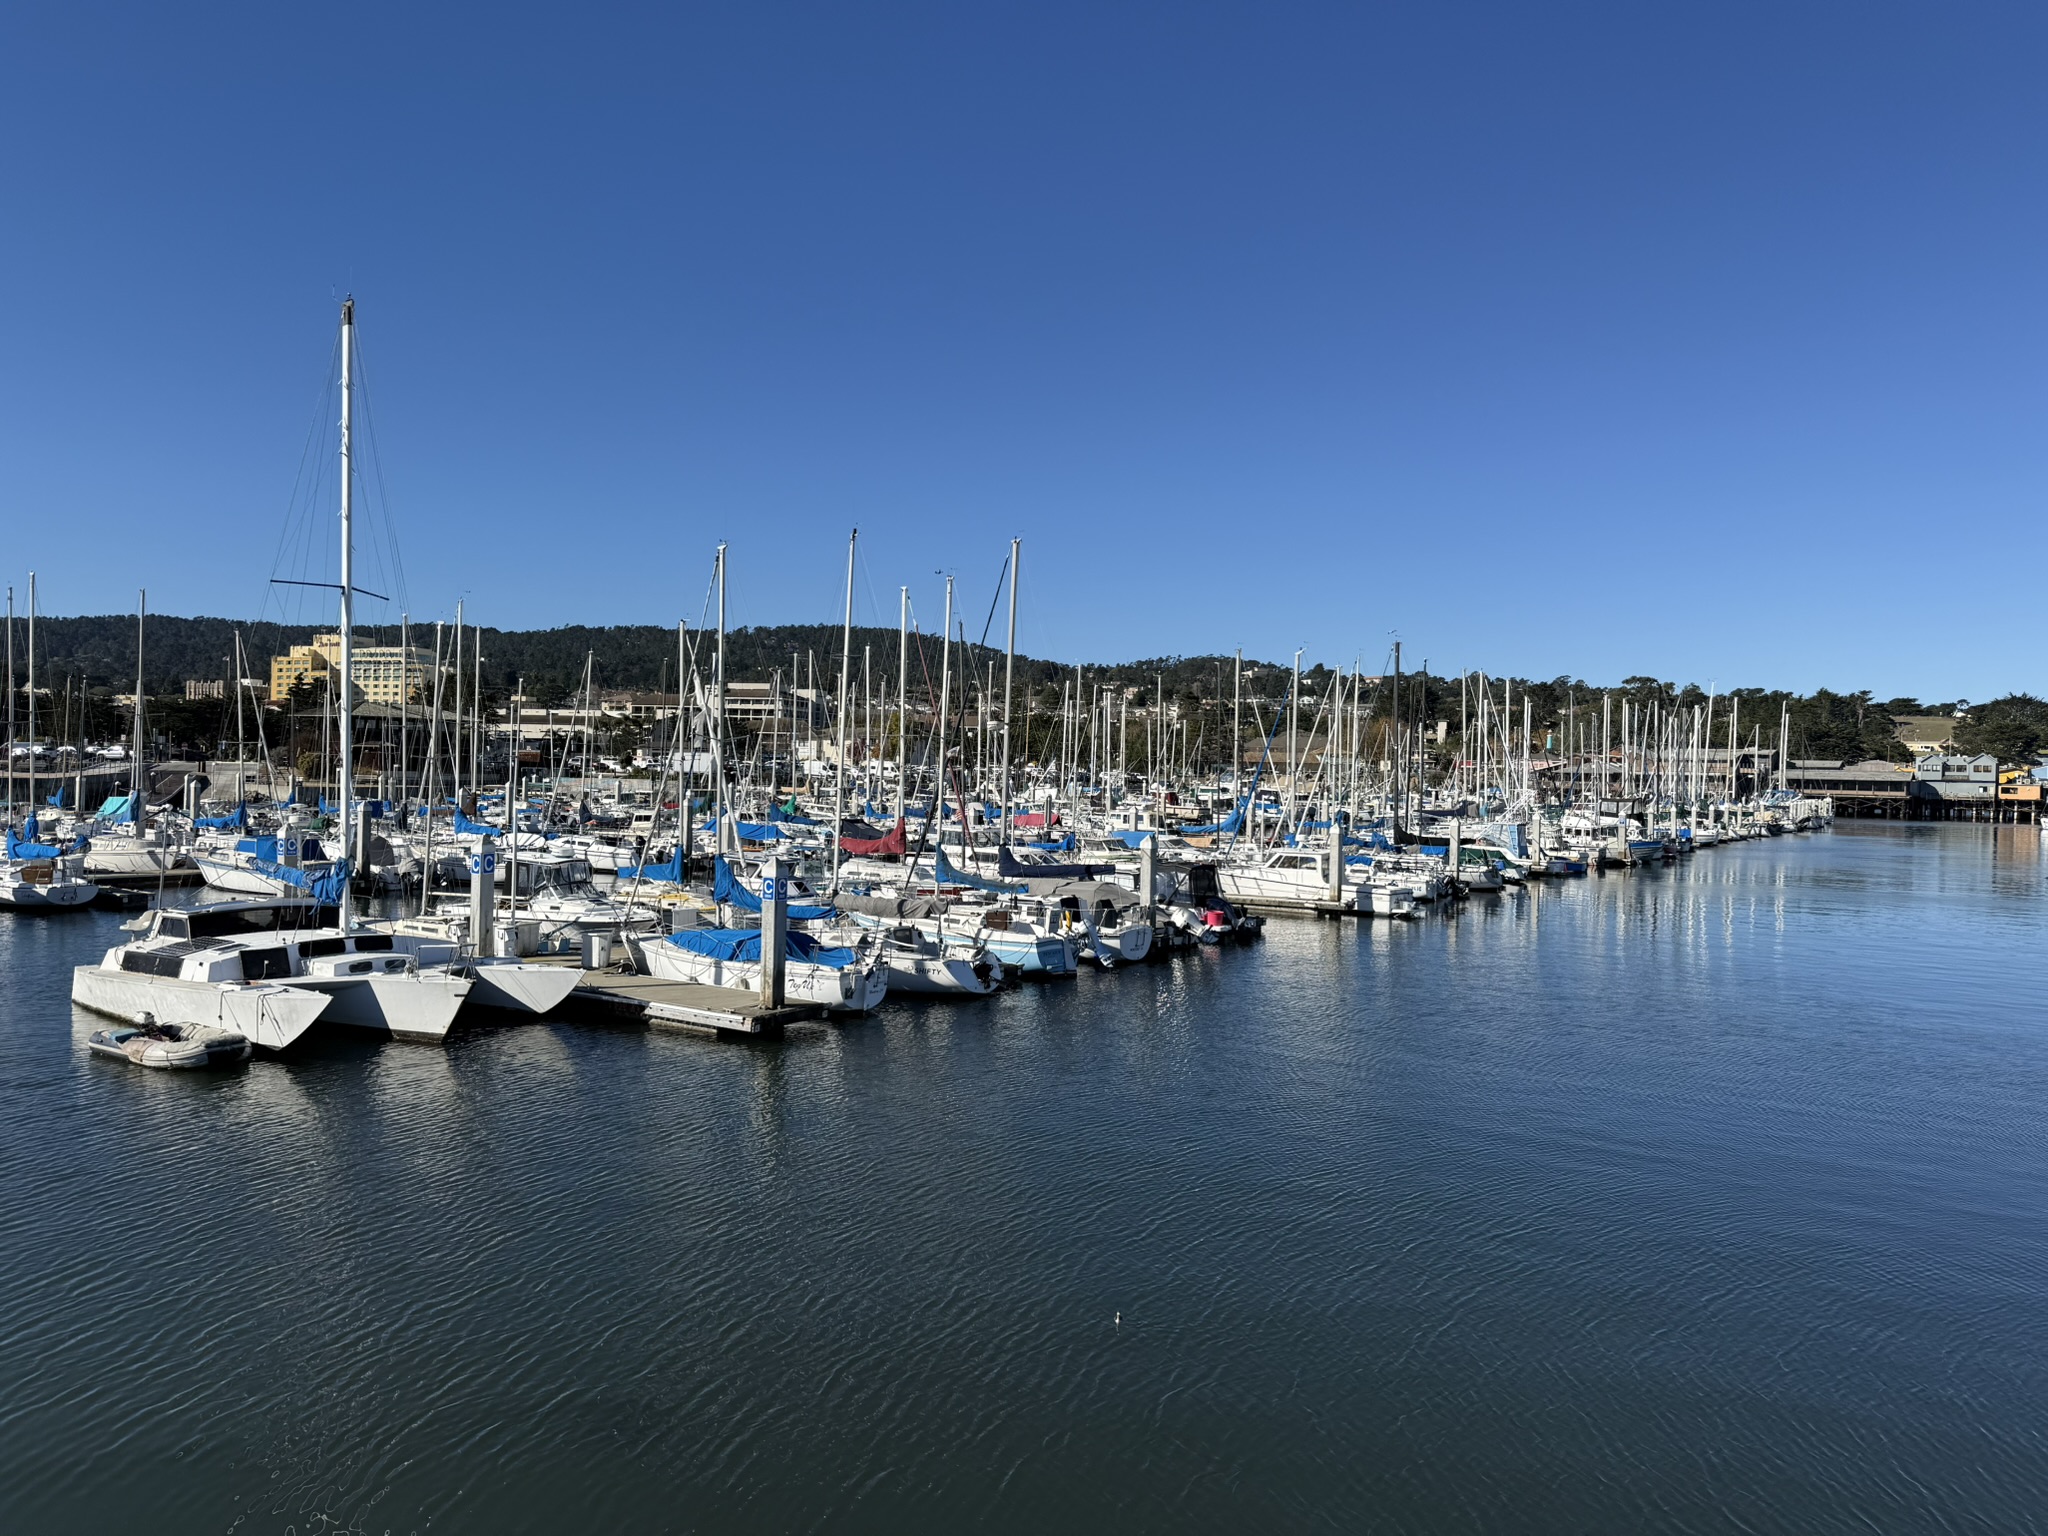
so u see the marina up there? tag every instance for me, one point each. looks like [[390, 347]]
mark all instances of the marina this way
[[1615, 1163], [1080, 769]]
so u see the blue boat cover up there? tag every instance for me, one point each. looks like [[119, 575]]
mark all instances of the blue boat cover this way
[[1134, 837], [237, 818], [1230, 826], [729, 888], [944, 873], [262, 847], [1010, 869], [744, 944], [62, 798], [759, 832], [474, 828], [325, 887], [116, 808], [20, 848], [669, 871]]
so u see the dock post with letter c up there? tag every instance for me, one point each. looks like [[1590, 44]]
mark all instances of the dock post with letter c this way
[[483, 898], [774, 930]]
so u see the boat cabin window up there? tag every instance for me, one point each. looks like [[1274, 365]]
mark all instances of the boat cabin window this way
[[231, 922], [173, 925], [315, 949], [266, 964]]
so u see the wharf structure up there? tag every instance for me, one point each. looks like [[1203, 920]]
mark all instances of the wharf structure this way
[[1940, 786]]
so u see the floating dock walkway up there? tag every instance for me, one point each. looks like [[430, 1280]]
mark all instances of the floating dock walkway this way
[[626, 997]]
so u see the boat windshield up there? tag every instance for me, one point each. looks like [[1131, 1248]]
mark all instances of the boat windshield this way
[[230, 922]]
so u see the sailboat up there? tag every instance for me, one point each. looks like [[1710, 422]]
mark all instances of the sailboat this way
[[306, 939]]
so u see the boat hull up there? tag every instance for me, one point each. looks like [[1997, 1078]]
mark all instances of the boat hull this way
[[271, 1017], [404, 1005], [516, 987]]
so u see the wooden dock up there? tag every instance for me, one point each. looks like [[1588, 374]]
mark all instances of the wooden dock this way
[[625, 996]]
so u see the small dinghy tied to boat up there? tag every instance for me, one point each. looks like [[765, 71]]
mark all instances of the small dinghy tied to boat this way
[[150, 1044]]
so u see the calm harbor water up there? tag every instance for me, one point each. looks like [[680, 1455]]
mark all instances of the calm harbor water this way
[[1701, 1199]]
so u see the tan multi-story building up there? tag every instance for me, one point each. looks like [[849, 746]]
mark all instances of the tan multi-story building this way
[[384, 674]]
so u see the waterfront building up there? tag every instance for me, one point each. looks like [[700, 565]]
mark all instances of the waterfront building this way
[[384, 674]]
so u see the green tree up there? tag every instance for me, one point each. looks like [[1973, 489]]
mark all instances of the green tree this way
[[2014, 727]]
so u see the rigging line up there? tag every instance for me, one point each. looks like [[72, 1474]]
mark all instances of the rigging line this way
[[387, 520], [306, 458], [992, 602]]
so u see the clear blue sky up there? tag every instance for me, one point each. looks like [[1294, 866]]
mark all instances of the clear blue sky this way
[[1703, 341]]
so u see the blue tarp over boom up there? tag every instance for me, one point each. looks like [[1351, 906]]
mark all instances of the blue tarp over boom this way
[[669, 872], [325, 887], [1229, 826], [474, 828], [760, 832], [237, 818], [945, 874], [1010, 869], [17, 848], [744, 944], [116, 808], [729, 888]]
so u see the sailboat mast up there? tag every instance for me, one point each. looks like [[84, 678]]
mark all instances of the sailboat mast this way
[[937, 824], [241, 739], [430, 767], [31, 692], [345, 781], [902, 701], [138, 781], [1009, 674], [717, 722], [845, 671], [404, 701], [455, 708], [10, 705]]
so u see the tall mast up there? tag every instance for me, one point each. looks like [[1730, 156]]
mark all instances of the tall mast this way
[[681, 738], [845, 669], [429, 768], [1237, 721], [455, 707], [1009, 672], [1397, 751], [10, 705], [717, 722], [936, 826], [404, 700], [345, 780], [138, 780], [902, 701], [32, 692], [476, 711], [241, 739]]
